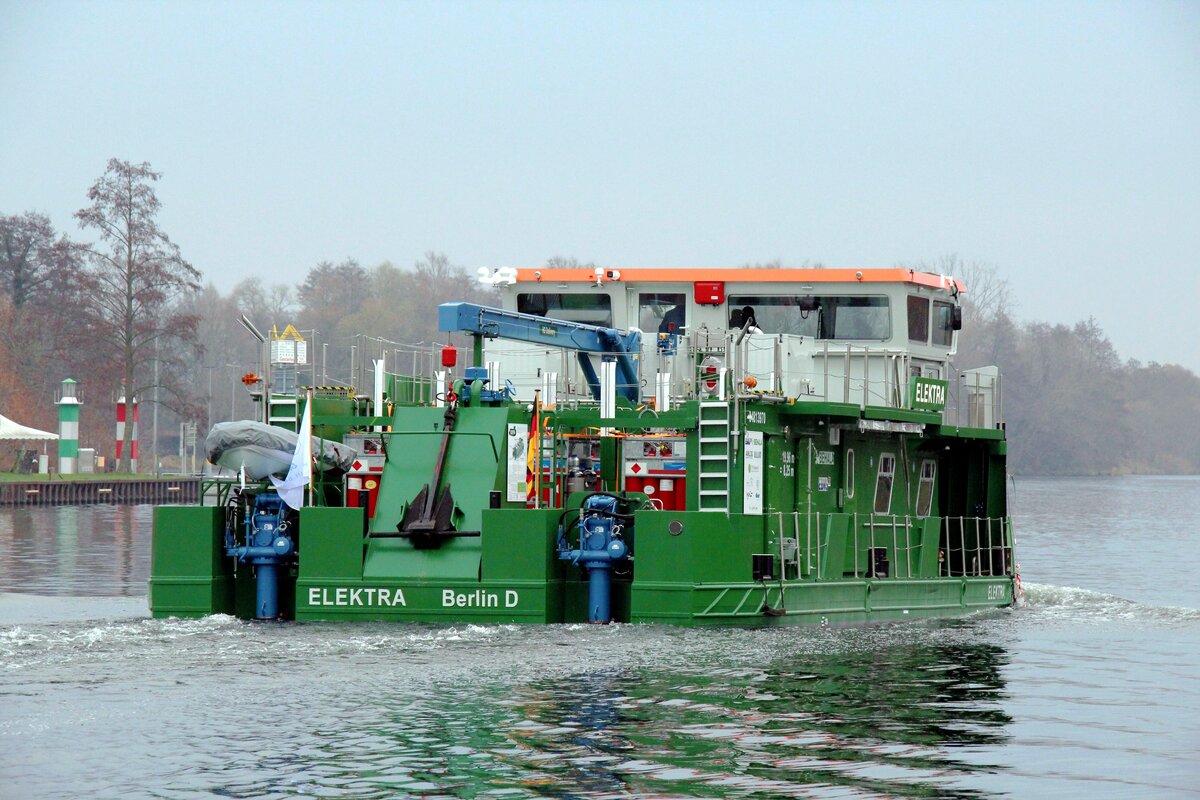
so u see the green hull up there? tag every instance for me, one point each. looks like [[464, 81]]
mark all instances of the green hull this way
[[697, 577]]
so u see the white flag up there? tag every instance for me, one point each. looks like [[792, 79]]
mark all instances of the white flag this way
[[291, 488]]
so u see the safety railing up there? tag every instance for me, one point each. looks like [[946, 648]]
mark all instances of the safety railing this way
[[760, 366], [880, 533], [831, 372], [977, 546], [976, 399], [530, 368], [892, 546]]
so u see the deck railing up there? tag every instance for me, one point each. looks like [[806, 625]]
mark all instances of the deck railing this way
[[780, 366], [893, 546]]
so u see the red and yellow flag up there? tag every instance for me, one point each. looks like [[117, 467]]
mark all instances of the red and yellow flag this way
[[535, 461]]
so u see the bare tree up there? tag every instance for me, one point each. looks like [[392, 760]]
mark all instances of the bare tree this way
[[564, 262], [134, 278], [265, 305], [330, 292], [778, 264], [37, 279], [987, 293], [437, 280], [435, 275], [32, 257]]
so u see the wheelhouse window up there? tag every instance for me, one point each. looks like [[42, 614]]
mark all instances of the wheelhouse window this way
[[589, 309], [819, 316], [662, 313], [848, 478], [925, 488], [943, 323], [918, 319], [883, 484]]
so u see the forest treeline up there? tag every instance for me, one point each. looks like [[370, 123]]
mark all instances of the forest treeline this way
[[125, 308], [1071, 404]]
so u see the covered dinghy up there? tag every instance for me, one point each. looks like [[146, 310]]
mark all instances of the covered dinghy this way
[[267, 450]]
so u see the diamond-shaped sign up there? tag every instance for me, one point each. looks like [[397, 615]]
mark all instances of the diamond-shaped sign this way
[[357, 465], [636, 468]]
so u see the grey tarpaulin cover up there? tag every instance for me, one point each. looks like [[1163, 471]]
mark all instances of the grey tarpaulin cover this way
[[267, 449]]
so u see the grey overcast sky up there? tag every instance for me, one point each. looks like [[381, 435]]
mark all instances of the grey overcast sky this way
[[1059, 141]]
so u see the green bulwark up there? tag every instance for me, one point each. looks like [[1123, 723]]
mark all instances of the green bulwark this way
[[189, 573]]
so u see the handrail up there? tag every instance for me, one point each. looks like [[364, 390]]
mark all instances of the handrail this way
[[870, 375], [988, 553]]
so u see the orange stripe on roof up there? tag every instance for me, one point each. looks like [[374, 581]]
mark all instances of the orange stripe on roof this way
[[691, 275]]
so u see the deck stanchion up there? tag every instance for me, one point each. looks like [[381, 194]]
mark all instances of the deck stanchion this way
[[895, 547], [782, 563], [962, 548], [807, 542], [907, 546], [855, 525], [991, 566], [978, 554], [820, 562]]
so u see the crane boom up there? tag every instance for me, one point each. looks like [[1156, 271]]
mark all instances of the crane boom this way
[[588, 341]]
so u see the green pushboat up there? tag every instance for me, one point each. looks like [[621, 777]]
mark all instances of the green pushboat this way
[[716, 447]]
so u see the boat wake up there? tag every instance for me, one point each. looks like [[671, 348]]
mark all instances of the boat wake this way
[[1085, 605]]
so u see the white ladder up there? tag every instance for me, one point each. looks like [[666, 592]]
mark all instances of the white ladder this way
[[714, 455], [283, 411]]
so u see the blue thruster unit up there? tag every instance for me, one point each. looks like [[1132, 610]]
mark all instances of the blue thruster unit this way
[[269, 544], [603, 544]]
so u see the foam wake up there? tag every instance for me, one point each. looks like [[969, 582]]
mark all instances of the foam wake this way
[[1085, 604]]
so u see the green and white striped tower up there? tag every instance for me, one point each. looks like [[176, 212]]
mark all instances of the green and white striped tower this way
[[68, 428]]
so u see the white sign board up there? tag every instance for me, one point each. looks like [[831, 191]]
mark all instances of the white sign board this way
[[289, 351], [518, 463], [752, 473], [283, 351]]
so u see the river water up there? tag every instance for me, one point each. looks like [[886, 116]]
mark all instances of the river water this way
[[1091, 690]]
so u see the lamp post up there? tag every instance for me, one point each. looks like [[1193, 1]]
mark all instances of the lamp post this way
[[245, 322], [154, 417], [211, 368], [208, 410]]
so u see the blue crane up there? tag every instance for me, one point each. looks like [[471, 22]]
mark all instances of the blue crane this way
[[609, 344]]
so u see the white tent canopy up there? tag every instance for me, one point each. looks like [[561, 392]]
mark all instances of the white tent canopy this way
[[13, 431]]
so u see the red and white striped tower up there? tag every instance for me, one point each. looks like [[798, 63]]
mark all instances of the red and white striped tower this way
[[133, 448]]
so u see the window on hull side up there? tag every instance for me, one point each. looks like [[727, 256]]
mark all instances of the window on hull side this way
[[883, 484], [925, 489]]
